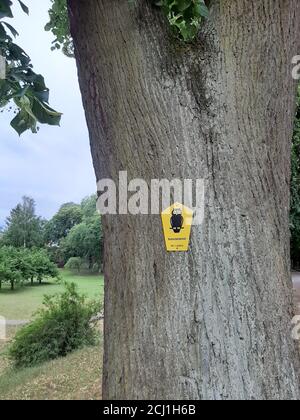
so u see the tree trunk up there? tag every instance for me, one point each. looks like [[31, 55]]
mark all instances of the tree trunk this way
[[215, 322]]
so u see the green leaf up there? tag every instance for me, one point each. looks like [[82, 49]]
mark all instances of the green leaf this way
[[25, 104], [183, 4], [16, 53], [203, 9], [184, 16], [5, 9], [24, 7], [44, 114], [3, 35], [21, 84], [23, 122], [42, 96], [22, 92], [12, 29]]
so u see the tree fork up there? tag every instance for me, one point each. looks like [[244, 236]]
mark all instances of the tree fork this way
[[213, 323]]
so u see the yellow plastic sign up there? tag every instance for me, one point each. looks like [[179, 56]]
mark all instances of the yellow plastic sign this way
[[177, 222]]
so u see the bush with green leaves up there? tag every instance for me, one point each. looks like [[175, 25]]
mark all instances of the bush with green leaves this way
[[61, 327]]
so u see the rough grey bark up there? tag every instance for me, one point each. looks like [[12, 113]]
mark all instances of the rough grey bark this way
[[213, 323]]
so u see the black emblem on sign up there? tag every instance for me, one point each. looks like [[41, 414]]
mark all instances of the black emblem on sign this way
[[177, 220]]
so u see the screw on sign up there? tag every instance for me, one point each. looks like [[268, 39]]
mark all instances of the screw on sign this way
[[177, 222]]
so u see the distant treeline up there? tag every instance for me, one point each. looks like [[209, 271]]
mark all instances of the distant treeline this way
[[73, 234]]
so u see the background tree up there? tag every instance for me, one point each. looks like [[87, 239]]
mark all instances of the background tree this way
[[23, 263], [69, 215], [85, 241], [23, 227], [76, 231], [88, 206], [43, 268], [18, 265], [9, 267]]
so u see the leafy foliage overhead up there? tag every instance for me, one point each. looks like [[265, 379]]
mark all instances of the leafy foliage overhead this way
[[22, 87], [27, 90], [184, 16], [60, 27]]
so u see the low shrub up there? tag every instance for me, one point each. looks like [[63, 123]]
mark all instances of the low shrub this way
[[58, 329]]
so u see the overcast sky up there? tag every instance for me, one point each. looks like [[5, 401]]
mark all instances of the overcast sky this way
[[53, 166]]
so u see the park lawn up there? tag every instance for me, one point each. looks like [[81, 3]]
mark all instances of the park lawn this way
[[75, 377], [22, 303], [58, 379]]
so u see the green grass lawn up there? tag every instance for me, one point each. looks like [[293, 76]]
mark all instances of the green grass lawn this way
[[24, 301], [75, 377], [57, 379]]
